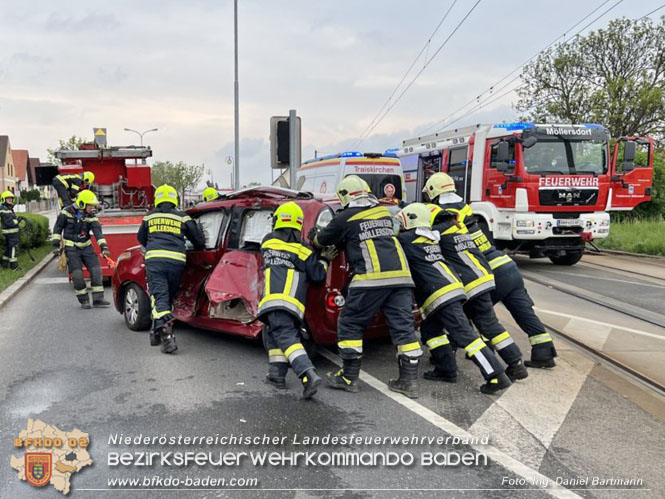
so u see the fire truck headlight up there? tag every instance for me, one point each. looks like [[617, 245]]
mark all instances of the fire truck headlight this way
[[524, 223]]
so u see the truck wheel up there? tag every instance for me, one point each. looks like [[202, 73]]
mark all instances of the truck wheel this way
[[136, 308], [567, 259]]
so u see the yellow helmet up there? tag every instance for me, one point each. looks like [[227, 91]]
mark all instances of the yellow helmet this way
[[166, 194], [86, 197], [88, 177], [210, 194], [5, 195], [289, 215], [413, 216], [352, 187], [438, 184]]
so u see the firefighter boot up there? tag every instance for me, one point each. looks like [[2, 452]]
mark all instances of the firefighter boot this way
[[155, 338], [445, 365], [310, 382], [408, 373], [84, 300], [347, 377], [516, 370], [168, 339], [277, 374], [542, 356], [494, 385], [100, 303]]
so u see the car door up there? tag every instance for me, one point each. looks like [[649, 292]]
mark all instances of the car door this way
[[632, 186]]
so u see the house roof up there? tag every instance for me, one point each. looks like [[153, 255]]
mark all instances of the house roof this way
[[32, 174], [4, 142], [20, 157]]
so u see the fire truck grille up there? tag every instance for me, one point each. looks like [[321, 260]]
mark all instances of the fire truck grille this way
[[567, 197]]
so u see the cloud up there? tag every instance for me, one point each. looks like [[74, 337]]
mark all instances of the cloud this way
[[73, 23]]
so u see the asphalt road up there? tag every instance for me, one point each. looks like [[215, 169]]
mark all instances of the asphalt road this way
[[84, 369]]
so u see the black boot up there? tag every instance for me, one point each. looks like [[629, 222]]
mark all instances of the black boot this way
[[277, 374], [155, 338], [168, 339], [408, 373], [542, 356], [310, 382], [100, 303], [85, 304], [347, 377], [445, 365], [494, 385], [438, 375], [540, 364], [516, 370]]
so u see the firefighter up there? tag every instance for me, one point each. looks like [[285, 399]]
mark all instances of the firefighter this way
[[381, 281], [440, 294], [288, 264], [9, 230], [210, 194], [474, 270], [508, 279], [162, 234], [73, 227], [68, 186]]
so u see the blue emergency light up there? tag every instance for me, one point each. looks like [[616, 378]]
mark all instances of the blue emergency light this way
[[391, 153], [351, 154], [514, 126]]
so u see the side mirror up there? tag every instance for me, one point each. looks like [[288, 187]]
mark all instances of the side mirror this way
[[529, 142], [629, 151], [502, 156]]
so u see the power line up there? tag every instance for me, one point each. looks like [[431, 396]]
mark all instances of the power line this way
[[654, 10], [419, 72]]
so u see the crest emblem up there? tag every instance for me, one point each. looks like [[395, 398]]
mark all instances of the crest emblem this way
[[38, 468]]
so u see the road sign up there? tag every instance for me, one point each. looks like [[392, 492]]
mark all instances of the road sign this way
[[100, 136]]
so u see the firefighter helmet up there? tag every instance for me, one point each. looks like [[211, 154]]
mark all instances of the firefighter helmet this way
[[210, 194], [166, 194], [5, 195], [289, 216], [438, 184], [413, 216], [352, 187], [88, 177], [436, 211], [86, 198]]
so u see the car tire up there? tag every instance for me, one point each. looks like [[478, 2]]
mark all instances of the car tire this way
[[136, 308], [568, 259]]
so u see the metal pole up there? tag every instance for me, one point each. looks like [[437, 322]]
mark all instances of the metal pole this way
[[294, 158], [236, 162]]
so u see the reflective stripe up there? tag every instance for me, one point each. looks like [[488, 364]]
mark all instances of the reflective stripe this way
[[373, 256], [79, 292], [438, 341], [172, 216], [155, 313], [440, 296], [289, 281], [97, 289], [173, 255], [371, 214], [293, 290], [281, 299], [276, 355], [372, 281], [364, 249], [267, 278], [56, 237], [485, 364], [296, 248], [356, 345], [502, 341], [474, 346], [325, 265], [294, 351], [400, 253], [74, 187], [10, 231], [66, 213], [540, 338], [90, 219], [102, 242], [410, 349], [498, 261], [75, 244], [388, 274], [479, 285]]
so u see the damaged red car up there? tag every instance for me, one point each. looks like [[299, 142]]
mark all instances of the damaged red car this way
[[222, 284]]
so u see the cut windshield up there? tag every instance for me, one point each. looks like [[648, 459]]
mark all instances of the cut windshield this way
[[384, 186], [566, 157]]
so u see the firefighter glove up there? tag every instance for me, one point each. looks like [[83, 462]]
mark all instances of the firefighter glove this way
[[329, 253], [106, 252]]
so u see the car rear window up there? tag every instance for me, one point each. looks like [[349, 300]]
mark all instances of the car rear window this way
[[255, 225]]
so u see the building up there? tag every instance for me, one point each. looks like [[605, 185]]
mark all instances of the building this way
[[8, 180], [21, 161], [32, 172]]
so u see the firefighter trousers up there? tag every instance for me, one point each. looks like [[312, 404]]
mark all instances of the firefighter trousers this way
[[9, 259], [76, 259], [451, 318], [362, 304], [64, 198], [511, 292], [283, 342], [164, 278], [480, 311]]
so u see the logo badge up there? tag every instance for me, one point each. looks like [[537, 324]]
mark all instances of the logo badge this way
[[38, 468]]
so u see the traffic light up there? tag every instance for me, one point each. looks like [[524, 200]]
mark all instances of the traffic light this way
[[280, 141]]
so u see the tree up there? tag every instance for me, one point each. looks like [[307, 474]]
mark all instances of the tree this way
[[615, 77], [72, 144], [179, 175]]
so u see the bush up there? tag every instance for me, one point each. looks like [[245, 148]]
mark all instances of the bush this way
[[637, 236], [31, 195], [35, 234]]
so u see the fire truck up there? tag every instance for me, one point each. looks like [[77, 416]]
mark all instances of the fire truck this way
[[543, 190], [123, 187]]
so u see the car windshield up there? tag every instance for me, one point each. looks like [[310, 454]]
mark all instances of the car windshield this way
[[383, 186], [566, 157]]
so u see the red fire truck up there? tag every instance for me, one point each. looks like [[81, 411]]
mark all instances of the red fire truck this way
[[543, 190], [123, 187]]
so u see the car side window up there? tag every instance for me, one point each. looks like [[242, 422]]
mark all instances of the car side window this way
[[324, 217], [255, 225], [211, 224]]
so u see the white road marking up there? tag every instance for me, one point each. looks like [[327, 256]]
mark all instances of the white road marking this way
[[604, 278], [592, 321], [451, 428], [51, 280]]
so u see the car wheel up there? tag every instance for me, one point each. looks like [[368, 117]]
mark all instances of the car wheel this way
[[136, 308], [567, 259]]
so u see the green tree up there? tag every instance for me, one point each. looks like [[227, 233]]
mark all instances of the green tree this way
[[613, 76], [179, 175], [72, 144]]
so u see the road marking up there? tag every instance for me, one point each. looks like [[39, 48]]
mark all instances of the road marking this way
[[452, 429], [600, 323], [51, 280], [604, 278]]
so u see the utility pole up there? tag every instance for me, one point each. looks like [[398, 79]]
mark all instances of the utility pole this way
[[294, 148], [236, 162]]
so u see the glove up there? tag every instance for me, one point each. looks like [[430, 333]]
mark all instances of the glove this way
[[311, 235], [329, 253], [56, 251], [106, 253]]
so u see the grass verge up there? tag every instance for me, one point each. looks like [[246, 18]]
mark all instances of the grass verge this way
[[638, 236], [8, 277]]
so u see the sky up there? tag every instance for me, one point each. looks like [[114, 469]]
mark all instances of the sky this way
[[66, 67]]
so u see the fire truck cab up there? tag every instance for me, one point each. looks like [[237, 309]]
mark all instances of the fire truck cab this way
[[543, 190]]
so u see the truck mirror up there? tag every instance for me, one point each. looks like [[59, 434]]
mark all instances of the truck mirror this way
[[529, 142], [629, 150], [502, 152]]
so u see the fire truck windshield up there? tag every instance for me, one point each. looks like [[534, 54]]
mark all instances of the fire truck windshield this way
[[566, 157]]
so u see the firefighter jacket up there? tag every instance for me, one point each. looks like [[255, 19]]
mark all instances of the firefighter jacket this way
[[374, 253], [9, 219], [461, 253], [73, 226], [288, 263], [71, 181], [163, 232], [436, 283], [495, 257]]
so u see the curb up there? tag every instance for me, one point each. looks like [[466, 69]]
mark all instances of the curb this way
[[15, 288], [625, 253]]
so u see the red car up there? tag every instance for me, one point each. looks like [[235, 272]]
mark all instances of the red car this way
[[222, 284]]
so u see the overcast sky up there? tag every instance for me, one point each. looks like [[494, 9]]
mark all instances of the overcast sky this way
[[66, 67]]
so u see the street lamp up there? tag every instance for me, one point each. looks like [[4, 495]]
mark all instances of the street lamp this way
[[141, 134]]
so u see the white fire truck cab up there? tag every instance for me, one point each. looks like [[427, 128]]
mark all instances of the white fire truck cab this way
[[543, 190]]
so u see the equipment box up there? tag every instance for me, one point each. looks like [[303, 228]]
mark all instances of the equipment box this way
[[138, 176]]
